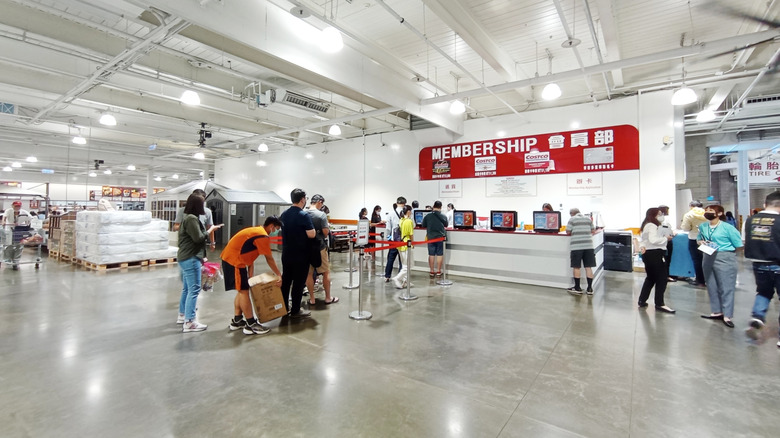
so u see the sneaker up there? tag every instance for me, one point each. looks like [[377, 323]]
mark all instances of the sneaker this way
[[255, 329], [301, 314], [432, 274], [193, 326], [778, 344], [236, 325], [754, 330], [180, 319], [575, 290], [590, 291], [397, 284]]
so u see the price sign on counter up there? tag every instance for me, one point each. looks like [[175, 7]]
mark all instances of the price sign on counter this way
[[362, 232]]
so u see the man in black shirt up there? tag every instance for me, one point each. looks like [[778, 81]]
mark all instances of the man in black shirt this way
[[762, 245], [297, 229]]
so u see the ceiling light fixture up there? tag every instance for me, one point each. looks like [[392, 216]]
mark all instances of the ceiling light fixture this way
[[684, 95], [31, 159], [199, 156], [107, 119], [705, 115], [457, 107], [175, 176], [79, 140], [7, 169], [334, 130], [107, 172], [262, 147], [309, 156], [157, 178], [331, 41], [551, 91], [131, 167], [16, 164], [92, 174], [261, 163], [190, 97]]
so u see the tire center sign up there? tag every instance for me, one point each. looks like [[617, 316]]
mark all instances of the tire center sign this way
[[585, 150]]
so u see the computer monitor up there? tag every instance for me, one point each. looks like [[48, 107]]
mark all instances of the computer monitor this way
[[419, 215], [547, 221], [464, 219], [503, 220]]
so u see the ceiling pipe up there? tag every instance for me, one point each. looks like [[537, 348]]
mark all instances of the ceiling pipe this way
[[772, 61], [594, 36], [687, 51], [570, 36], [444, 54], [120, 61], [743, 55]]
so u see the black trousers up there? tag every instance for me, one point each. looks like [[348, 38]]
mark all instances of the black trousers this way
[[669, 250], [294, 273], [697, 257], [655, 266]]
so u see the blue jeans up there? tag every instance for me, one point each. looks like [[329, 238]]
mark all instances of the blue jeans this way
[[767, 284], [190, 276], [391, 256]]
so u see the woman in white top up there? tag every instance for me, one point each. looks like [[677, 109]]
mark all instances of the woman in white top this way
[[450, 214], [653, 248]]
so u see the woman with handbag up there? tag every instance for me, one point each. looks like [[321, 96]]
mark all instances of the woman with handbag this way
[[406, 226]]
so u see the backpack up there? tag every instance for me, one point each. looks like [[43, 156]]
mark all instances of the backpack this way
[[396, 234]]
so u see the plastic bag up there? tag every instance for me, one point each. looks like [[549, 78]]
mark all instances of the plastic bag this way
[[211, 273]]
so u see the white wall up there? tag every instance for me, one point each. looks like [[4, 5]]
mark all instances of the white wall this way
[[354, 175]]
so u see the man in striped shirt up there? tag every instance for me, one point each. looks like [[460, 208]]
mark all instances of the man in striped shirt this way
[[580, 228]]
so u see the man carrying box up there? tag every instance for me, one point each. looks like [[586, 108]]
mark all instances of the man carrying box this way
[[238, 260]]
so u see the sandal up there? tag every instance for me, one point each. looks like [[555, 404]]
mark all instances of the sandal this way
[[332, 300], [438, 275], [432, 274]]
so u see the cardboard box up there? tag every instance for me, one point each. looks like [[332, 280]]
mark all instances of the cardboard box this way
[[266, 297]]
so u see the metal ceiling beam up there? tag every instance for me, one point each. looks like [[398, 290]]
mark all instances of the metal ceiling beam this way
[[455, 15], [717, 99], [772, 62], [118, 62], [611, 40], [687, 51], [570, 36]]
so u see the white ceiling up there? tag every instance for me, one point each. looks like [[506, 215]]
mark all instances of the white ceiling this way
[[64, 62]]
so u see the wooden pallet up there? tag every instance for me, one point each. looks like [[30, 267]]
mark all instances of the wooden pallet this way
[[123, 265], [157, 262], [54, 254]]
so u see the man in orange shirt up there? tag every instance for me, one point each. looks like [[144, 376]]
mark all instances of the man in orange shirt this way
[[238, 260]]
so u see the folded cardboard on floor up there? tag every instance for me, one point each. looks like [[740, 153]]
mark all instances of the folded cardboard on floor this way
[[266, 297]]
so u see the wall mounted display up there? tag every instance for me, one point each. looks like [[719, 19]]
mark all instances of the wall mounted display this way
[[510, 186], [584, 184], [585, 150]]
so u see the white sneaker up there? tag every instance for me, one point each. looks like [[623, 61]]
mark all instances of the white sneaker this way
[[397, 284], [193, 326], [754, 330], [256, 329], [180, 319]]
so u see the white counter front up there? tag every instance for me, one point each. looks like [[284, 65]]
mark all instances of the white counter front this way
[[519, 257]]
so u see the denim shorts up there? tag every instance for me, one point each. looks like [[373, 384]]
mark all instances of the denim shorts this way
[[436, 249]]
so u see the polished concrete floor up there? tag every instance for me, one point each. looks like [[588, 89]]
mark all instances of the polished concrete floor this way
[[92, 355]]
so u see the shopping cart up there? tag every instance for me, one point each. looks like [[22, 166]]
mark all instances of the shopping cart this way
[[14, 239]]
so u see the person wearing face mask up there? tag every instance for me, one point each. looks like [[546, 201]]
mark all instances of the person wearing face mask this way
[[690, 223], [718, 241], [653, 248]]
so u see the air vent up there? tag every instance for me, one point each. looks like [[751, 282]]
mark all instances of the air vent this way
[[7, 108], [297, 100], [417, 123], [762, 100]]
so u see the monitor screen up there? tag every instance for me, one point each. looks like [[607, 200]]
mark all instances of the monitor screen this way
[[464, 218], [503, 220], [419, 215], [547, 221]]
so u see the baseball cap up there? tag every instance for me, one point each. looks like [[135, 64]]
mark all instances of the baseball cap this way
[[17, 203]]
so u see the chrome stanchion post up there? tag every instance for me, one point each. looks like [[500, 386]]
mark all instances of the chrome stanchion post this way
[[351, 269], [408, 296], [381, 272], [444, 281], [360, 314]]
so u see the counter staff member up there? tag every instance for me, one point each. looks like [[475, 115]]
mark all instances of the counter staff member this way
[[206, 218], [238, 261], [580, 228], [547, 207], [15, 215], [762, 245]]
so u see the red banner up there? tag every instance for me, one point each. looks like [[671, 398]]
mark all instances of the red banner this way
[[585, 150]]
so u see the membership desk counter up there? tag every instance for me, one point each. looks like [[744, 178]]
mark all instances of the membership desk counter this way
[[524, 257]]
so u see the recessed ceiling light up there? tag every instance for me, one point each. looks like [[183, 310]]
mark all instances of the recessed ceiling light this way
[[309, 156], [7, 169], [79, 140], [107, 119], [199, 156], [32, 159], [157, 178], [16, 164], [107, 172], [261, 163], [92, 174], [175, 176], [130, 167]]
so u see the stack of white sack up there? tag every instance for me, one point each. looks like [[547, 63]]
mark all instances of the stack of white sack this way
[[104, 237]]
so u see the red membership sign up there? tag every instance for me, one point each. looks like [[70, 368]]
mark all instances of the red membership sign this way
[[585, 150]]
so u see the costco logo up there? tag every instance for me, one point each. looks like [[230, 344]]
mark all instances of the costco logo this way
[[482, 164]]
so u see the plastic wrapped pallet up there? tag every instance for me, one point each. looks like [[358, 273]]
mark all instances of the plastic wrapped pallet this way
[[114, 217], [94, 227], [112, 237], [123, 238], [107, 259], [87, 249]]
